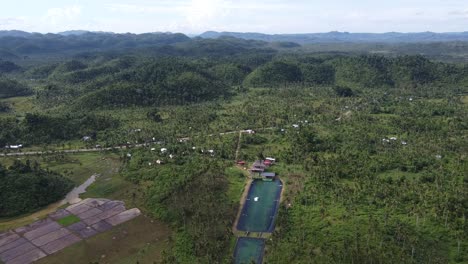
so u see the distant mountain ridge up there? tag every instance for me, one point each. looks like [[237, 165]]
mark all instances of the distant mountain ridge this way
[[20, 44], [303, 38], [343, 37]]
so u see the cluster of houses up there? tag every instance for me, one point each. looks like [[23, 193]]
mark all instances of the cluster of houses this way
[[259, 167]]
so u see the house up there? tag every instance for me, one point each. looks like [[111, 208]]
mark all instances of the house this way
[[295, 126], [268, 176], [159, 162], [257, 168], [163, 150], [270, 159], [250, 131], [15, 146]]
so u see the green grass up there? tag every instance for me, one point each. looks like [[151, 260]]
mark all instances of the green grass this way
[[397, 174], [141, 240], [78, 168], [68, 220], [464, 99], [21, 105], [236, 178]]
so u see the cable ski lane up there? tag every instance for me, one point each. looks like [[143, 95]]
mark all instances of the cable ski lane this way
[[256, 218]]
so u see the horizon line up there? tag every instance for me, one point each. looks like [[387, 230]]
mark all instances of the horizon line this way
[[236, 32]]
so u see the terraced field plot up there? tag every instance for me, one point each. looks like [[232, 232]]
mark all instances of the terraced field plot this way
[[85, 219]]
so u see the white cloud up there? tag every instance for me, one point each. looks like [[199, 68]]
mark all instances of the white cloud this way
[[203, 13], [10, 21], [200, 15], [60, 15], [143, 9], [459, 13]]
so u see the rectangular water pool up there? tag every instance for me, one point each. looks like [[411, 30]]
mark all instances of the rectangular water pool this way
[[248, 250], [261, 206]]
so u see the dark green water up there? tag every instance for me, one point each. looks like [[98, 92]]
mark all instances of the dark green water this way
[[248, 250], [258, 215], [261, 206]]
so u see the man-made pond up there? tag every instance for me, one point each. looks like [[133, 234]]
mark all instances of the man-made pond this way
[[249, 250], [259, 211], [257, 217]]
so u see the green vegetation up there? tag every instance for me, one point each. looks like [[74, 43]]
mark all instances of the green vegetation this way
[[141, 240], [68, 220], [371, 149], [25, 187], [11, 88]]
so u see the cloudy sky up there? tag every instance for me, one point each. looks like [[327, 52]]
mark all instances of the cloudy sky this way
[[268, 16]]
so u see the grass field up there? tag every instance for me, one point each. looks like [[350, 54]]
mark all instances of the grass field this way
[[141, 240], [20, 105], [78, 168], [68, 220], [236, 178]]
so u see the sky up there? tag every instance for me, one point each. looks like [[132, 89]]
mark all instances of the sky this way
[[267, 16]]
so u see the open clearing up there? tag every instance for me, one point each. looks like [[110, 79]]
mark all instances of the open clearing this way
[[141, 239], [62, 228]]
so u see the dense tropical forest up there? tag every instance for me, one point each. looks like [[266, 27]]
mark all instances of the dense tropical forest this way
[[25, 187], [374, 168]]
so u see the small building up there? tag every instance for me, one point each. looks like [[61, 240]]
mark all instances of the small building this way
[[295, 126], [241, 162], [250, 131], [257, 168], [15, 146], [267, 162], [163, 150], [258, 165], [268, 176]]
